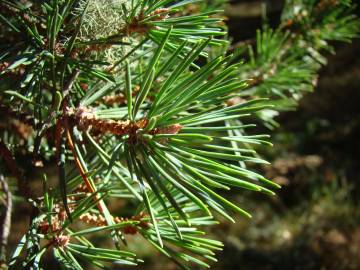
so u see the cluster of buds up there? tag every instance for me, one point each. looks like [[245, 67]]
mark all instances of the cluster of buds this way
[[61, 240], [136, 26], [161, 13], [131, 229], [99, 221], [172, 129], [55, 228], [93, 219], [86, 118], [44, 227]]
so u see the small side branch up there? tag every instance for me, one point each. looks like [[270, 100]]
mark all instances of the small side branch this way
[[78, 164], [5, 221]]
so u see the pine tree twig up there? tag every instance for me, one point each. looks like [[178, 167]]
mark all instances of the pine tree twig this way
[[48, 122], [68, 86], [60, 141], [78, 164], [5, 222]]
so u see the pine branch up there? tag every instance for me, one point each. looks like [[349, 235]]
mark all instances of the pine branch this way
[[149, 112]]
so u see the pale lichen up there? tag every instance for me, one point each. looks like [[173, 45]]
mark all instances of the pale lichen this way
[[103, 18]]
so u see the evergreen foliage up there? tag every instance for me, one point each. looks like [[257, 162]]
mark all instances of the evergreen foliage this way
[[145, 103]]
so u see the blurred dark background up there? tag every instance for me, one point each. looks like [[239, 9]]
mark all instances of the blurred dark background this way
[[314, 221]]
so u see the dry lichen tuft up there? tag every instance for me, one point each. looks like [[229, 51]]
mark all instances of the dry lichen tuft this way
[[103, 18]]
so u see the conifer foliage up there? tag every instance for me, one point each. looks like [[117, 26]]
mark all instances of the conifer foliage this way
[[143, 105]]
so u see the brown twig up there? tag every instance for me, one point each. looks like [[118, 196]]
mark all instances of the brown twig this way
[[78, 164], [48, 122], [5, 221], [74, 75]]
